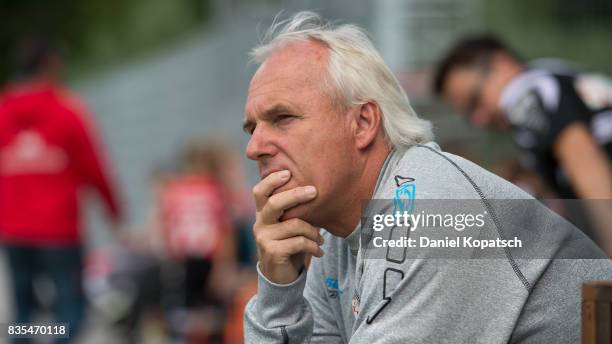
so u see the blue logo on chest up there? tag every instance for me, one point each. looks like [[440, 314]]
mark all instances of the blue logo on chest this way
[[403, 200], [332, 288]]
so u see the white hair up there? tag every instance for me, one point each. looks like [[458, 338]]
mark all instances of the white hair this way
[[357, 73]]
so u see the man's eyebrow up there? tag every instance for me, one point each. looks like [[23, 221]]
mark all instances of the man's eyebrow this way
[[277, 109], [248, 126]]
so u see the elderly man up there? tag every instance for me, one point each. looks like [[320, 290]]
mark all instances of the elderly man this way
[[331, 127]]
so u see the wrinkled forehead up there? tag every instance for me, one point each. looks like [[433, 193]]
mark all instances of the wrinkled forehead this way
[[294, 66]]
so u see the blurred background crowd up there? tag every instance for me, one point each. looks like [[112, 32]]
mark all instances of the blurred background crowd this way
[[122, 151]]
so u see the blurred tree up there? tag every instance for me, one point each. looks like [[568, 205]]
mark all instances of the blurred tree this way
[[576, 30], [95, 30]]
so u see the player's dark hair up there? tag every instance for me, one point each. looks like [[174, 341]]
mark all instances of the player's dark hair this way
[[33, 53], [472, 51]]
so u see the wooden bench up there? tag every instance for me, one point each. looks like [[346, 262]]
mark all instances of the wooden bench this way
[[597, 312]]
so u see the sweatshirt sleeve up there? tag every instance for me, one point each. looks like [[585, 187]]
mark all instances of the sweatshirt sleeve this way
[[325, 329], [92, 163], [281, 314]]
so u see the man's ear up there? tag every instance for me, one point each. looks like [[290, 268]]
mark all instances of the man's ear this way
[[368, 119], [501, 59]]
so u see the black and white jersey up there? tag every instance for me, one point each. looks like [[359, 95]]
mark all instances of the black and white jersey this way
[[540, 103]]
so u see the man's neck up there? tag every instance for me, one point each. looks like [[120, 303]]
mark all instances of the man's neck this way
[[511, 73], [366, 184]]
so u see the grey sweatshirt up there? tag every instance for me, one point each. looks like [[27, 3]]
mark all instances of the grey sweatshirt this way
[[354, 294]]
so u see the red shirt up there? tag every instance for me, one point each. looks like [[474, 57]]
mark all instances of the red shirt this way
[[195, 216], [47, 153]]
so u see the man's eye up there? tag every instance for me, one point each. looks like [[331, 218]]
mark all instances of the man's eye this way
[[283, 118]]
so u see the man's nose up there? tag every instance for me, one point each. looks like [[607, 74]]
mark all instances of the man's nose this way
[[259, 145]]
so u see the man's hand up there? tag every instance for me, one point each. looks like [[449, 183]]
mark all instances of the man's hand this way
[[282, 246]]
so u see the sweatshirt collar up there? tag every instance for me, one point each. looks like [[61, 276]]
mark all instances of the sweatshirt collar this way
[[392, 159]]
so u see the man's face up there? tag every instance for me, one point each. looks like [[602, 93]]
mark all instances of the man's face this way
[[294, 125], [475, 93]]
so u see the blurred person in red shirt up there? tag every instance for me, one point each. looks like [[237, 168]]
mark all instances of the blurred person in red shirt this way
[[48, 152], [195, 214]]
